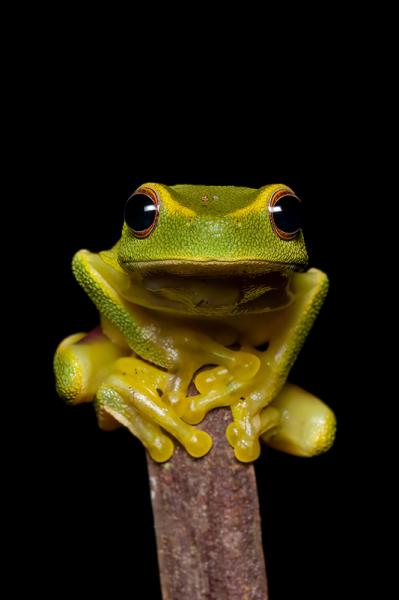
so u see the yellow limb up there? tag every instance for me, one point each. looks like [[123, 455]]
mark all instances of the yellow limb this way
[[217, 387], [286, 330], [306, 425], [81, 363], [118, 406]]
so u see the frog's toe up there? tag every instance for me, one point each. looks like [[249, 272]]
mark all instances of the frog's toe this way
[[161, 449], [247, 449], [232, 433], [194, 414], [197, 443]]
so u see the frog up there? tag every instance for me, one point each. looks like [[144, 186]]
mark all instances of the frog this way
[[205, 302]]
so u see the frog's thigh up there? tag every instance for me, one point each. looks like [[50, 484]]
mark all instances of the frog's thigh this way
[[147, 402], [306, 427], [81, 363], [113, 407]]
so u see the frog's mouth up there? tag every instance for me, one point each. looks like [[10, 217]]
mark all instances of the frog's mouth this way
[[209, 268], [209, 287]]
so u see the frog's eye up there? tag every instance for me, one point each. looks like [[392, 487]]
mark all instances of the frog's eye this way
[[285, 211], [141, 212]]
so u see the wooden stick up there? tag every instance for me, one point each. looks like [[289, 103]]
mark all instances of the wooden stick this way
[[207, 523]]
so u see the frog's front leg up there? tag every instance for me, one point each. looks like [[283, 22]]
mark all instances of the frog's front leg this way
[[287, 330]]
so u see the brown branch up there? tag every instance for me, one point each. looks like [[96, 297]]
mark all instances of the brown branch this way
[[207, 523]]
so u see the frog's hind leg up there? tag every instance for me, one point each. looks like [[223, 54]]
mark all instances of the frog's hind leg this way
[[113, 408], [81, 363], [305, 427]]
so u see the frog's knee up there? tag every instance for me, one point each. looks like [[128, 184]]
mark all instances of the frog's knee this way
[[307, 426], [80, 364]]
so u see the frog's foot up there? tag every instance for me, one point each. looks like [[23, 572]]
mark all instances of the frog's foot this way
[[216, 387], [112, 407], [140, 395], [220, 385], [306, 425], [176, 389], [295, 422], [241, 366], [81, 363]]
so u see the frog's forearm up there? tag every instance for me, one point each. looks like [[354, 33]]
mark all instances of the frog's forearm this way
[[287, 330], [129, 319]]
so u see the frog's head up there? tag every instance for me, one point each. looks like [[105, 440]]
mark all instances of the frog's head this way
[[175, 237]]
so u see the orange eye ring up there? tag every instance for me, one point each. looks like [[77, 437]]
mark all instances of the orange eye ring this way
[[142, 212], [285, 211]]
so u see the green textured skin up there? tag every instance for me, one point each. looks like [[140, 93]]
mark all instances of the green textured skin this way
[[235, 227]]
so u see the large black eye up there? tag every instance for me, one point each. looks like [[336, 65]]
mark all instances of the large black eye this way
[[141, 212], [286, 216]]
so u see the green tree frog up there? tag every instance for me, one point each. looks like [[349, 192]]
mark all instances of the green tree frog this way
[[207, 285]]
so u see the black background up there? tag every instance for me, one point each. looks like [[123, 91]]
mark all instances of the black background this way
[[87, 491]]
